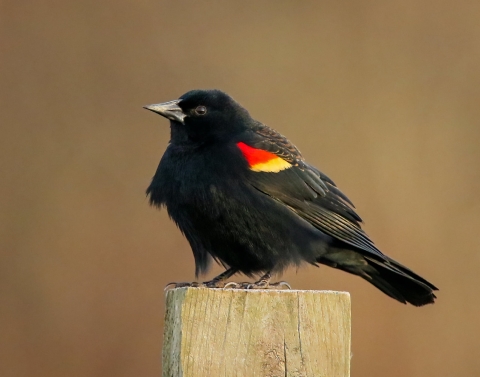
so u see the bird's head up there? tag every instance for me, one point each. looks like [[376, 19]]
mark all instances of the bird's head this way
[[203, 115]]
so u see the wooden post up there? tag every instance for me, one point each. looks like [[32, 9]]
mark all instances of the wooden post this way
[[256, 333]]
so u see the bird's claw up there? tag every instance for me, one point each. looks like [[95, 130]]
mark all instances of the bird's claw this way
[[195, 284], [262, 284], [281, 284], [214, 284], [174, 285], [234, 285]]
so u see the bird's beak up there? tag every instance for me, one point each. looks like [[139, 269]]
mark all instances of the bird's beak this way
[[169, 110]]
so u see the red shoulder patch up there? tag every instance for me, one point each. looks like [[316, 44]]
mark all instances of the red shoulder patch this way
[[261, 160]]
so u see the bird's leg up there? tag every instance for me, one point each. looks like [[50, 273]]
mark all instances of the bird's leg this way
[[219, 281], [216, 282]]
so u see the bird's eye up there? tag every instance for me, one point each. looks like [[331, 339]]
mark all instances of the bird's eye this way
[[201, 110]]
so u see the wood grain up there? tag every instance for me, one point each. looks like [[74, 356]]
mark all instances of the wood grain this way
[[264, 333]]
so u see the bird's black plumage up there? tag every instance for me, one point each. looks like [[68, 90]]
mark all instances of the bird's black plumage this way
[[243, 195]]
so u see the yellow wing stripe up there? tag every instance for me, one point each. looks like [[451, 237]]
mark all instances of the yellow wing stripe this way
[[272, 166]]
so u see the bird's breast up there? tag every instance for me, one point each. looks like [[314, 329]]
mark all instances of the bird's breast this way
[[196, 176]]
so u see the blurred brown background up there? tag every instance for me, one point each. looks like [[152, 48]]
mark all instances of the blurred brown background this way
[[382, 96]]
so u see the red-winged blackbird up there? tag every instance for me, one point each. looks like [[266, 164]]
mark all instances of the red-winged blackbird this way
[[243, 195]]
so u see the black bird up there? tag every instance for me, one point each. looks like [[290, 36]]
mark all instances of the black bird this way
[[243, 195]]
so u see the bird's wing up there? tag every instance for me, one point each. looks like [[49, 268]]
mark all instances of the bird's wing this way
[[278, 169]]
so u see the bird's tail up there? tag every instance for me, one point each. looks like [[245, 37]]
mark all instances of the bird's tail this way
[[399, 282], [389, 276]]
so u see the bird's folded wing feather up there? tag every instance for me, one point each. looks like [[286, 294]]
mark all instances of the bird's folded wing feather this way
[[304, 189]]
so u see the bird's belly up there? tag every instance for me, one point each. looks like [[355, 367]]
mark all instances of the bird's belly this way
[[243, 227]]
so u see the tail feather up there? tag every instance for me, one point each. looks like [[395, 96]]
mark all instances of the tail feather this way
[[409, 272], [389, 276], [399, 284]]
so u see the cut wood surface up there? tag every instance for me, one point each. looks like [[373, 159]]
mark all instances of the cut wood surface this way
[[264, 333]]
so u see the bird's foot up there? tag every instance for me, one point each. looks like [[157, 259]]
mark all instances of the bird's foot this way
[[261, 284], [279, 285], [174, 285], [235, 285], [195, 284], [215, 283], [219, 282]]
